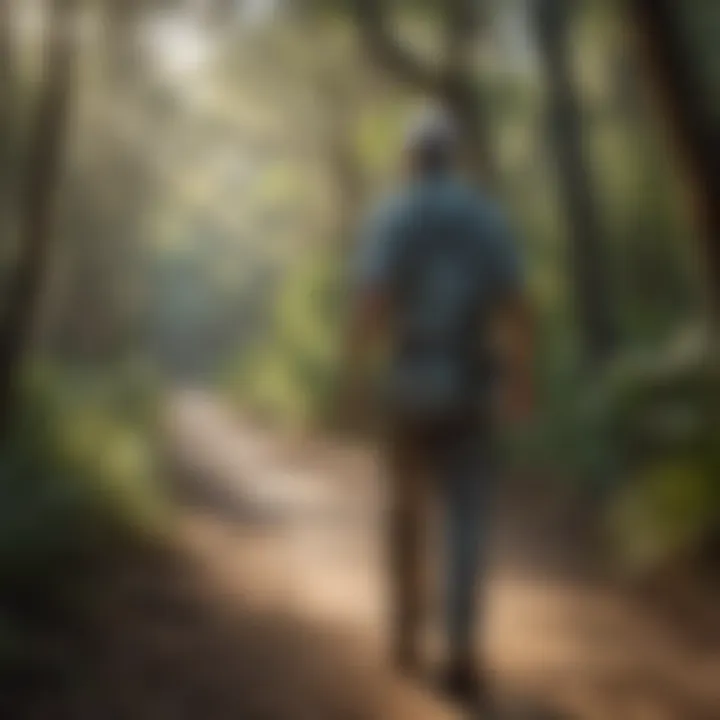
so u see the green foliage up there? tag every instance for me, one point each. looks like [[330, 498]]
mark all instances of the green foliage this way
[[290, 376], [701, 21], [665, 403], [642, 439], [666, 513], [570, 438], [665, 418], [77, 477]]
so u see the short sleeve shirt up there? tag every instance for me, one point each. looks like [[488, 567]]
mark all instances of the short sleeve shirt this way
[[389, 229], [459, 249]]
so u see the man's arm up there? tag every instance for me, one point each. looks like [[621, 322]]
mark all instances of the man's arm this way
[[514, 336], [513, 324]]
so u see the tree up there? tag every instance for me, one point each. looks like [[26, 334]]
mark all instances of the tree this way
[[37, 203], [100, 277], [8, 99], [588, 265], [451, 81], [675, 73]]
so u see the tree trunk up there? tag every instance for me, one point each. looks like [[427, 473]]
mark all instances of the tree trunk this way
[[37, 205], [668, 59], [588, 263], [97, 313], [8, 101], [7, 74], [458, 93]]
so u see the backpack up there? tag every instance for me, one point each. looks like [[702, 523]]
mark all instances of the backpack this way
[[439, 361]]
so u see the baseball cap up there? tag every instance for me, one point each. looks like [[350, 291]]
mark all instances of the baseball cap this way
[[432, 130]]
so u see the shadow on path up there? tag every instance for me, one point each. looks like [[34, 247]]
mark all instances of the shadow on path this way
[[161, 642], [265, 610]]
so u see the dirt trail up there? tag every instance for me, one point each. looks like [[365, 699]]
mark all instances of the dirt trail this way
[[270, 608], [303, 532]]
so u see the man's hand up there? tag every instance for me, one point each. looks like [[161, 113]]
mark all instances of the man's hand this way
[[515, 339], [517, 403]]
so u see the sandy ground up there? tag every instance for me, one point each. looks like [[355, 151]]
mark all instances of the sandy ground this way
[[558, 638], [271, 608]]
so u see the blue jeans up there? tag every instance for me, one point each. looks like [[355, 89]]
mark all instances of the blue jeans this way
[[451, 461]]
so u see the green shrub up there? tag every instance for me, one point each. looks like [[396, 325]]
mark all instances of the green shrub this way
[[641, 440], [665, 419], [289, 377], [666, 403], [77, 477], [570, 439], [666, 513]]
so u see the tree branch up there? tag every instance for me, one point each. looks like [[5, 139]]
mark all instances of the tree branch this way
[[386, 49], [462, 20]]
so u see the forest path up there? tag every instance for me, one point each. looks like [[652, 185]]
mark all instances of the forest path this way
[[295, 529]]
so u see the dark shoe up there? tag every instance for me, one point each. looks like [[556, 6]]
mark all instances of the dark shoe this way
[[465, 685], [407, 662]]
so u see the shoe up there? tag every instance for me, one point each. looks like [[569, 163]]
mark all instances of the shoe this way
[[464, 684], [407, 662]]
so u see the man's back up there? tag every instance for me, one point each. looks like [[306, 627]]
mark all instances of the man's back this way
[[438, 262], [443, 256]]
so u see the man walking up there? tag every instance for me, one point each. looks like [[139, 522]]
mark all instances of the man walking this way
[[437, 274]]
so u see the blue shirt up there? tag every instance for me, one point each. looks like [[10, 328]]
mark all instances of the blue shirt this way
[[445, 257]]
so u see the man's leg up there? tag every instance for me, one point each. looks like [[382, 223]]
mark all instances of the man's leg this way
[[467, 484], [407, 525]]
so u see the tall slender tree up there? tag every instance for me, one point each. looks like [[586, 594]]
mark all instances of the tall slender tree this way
[[674, 70], [588, 266], [8, 101], [37, 203]]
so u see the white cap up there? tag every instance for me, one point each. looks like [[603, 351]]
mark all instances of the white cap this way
[[434, 129]]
